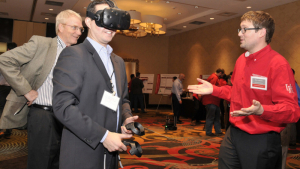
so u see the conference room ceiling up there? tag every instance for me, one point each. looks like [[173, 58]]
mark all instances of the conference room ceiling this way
[[191, 11]]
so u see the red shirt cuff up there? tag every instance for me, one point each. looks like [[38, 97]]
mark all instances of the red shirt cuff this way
[[216, 90]]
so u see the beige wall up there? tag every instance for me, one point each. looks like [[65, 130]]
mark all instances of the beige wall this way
[[203, 50], [152, 52], [22, 31]]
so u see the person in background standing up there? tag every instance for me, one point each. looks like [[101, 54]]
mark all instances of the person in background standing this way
[[177, 90], [137, 86], [212, 104], [29, 71]]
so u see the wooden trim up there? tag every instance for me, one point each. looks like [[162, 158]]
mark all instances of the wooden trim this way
[[133, 60]]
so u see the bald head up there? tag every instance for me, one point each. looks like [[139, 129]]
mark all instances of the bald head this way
[[181, 76]]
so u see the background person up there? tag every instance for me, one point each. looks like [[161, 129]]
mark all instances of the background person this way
[[177, 90], [29, 71], [212, 104], [137, 86]]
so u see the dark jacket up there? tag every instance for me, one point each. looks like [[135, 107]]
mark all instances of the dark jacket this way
[[137, 86]]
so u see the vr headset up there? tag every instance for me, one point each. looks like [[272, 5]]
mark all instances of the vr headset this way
[[111, 18]]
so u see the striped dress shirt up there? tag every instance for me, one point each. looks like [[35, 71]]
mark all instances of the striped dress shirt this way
[[46, 90]]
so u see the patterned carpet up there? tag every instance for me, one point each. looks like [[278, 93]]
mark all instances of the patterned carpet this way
[[185, 148]]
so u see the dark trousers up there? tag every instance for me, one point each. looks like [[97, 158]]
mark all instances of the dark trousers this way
[[44, 137], [212, 119], [138, 98], [177, 107], [240, 150], [4, 91], [197, 111]]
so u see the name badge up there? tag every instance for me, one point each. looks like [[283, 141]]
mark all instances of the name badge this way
[[260, 82], [110, 101]]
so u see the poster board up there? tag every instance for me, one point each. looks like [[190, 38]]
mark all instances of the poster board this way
[[148, 80], [164, 83]]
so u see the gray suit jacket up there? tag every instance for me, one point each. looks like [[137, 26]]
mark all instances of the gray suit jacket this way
[[79, 81], [25, 68]]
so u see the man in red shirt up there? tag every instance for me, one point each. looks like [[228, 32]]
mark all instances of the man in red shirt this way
[[212, 104], [263, 98]]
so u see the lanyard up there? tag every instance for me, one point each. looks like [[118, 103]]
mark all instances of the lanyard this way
[[112, 85]]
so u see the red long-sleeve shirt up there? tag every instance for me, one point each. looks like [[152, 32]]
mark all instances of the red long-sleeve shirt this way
[[210, 99], [279, 100]]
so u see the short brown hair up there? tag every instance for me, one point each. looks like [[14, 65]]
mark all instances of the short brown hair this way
[[261, 19], [91, 6]]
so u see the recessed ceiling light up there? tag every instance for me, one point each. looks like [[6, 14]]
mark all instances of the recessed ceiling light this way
[[84, 7], [196, 7], [212, 18], [50, 9], [179, 13], [248, 7], [46, 18], [184, 26], [167, 2]]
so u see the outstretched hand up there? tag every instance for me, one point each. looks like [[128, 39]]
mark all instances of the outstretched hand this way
[[255, 109], [204, 89]]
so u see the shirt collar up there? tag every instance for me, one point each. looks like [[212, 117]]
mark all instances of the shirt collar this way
[[61, 43], [258, 54], [99, 47]]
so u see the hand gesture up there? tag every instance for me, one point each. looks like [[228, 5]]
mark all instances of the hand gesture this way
[[204, 89], [255, 109], [113, 141], [31, 96]]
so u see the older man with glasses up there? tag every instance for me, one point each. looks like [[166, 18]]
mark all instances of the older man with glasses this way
[[29, 71]]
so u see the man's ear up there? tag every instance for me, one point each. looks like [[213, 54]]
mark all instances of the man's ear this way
[[263, 32], [60, 27], [88, 22]]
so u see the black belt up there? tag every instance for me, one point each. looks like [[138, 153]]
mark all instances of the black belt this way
[[47, 108]]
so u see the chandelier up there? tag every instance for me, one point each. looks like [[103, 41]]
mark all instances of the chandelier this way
[[141, 26], [151, 1]]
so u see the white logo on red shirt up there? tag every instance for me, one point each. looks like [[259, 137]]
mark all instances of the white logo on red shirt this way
[[289, 88]]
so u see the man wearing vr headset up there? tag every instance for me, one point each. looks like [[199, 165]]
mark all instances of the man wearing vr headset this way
[[90, 96]]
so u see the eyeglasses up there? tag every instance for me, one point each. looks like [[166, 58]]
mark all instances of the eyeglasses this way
[[244, 29], [75, 28]]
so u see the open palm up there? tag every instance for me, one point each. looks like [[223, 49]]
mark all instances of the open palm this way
[[203, 89]]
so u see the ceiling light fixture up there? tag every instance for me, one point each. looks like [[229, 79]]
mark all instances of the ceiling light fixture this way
[[248, 7], [50, 9], [196, 7], [151, 1], [184, 26], [140, 26], [151, 23], [47, 18], [179, 13], [212, 18]]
